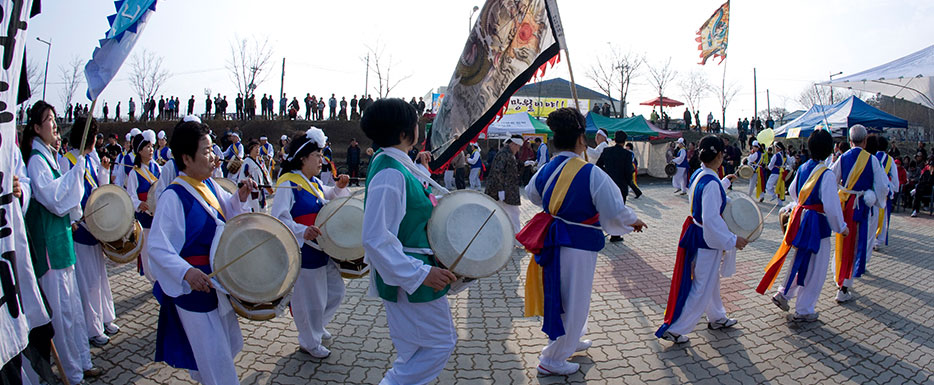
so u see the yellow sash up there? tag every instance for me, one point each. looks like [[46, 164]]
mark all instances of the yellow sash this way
[[534, 286], [302, 182], [205, 193], [763, 163], [882, 215], [146, 174], [87, 174]]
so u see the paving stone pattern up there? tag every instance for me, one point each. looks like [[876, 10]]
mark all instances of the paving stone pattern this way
[[884, 336]]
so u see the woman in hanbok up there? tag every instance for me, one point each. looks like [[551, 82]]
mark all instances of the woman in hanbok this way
[[139, 181]]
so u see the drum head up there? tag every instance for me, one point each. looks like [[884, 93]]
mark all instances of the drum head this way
[[226, 184], [259, 311], [783, 218], [745, 171], [742, 216], [127, 248], [271, 266], [151, 198], [670, 169], [342, 235], [453, 224], [111, 213]]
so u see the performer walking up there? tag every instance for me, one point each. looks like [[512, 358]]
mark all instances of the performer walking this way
[[254, 168], [679, 181], [579, 201], [776, 184], [814, 214], [888, 165], [503, 180], [198, 329], [90, 270], [861, 182], [705, 239], [145, 173], [395, 238], [476, 165], [319, 288], [50, 237]]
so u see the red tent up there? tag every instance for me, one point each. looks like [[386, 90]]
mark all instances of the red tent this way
[[663, 101]]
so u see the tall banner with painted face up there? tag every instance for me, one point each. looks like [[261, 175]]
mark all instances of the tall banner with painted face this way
[[510, 41], [713, 34], [14, 327]]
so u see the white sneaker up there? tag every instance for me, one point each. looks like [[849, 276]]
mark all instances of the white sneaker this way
[[676, 338], [721, 324], [111, 328], [99, 341], [779, 300], [565, 369], [843, 297], [327, 335], [318, 352], [583, 345]]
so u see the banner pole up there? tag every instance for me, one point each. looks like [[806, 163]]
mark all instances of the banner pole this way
[[87, 126], [573, 84]]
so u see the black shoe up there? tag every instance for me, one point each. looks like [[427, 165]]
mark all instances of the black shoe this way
[[616, 238], [637, 196]]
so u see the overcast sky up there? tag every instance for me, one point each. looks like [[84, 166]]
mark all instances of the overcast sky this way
[[791, 43]]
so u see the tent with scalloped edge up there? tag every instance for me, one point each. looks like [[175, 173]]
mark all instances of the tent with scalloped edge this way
[[516, 124], [840, 116], [636, 127]]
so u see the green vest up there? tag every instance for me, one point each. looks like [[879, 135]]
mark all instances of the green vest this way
[[48, 234], [413, 231]]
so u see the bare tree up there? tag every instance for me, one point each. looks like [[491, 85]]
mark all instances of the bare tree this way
[[694, 87], [34, 74], [147, 75], [248, 64], [383, 69], [661, 76], [628, 64], [725, 94], [813, 95], [72, 76], [615, 72], [604, 75]]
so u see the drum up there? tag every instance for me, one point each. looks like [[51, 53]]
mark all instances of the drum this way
[[151, 199], [228, 185], [670, 169], [353, 269], [783, 218], [233, 166], [109, 213], [126, 249], [271, 264], [260, 311], [742, 216], [745, 171], [342, 236], [452, 226]]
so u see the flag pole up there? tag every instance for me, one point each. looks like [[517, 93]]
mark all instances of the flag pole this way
[[567, 56], [87, 126]]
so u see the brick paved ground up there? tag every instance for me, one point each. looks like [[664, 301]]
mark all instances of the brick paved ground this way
[[886, 335]]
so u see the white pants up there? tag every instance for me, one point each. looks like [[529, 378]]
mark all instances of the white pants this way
[[327, 178], [474, 179], [144, 255], [679, 181], [770, 186], [871, 233], [449, 179], [513, 213], [317, 295], [215, 340], [752, 184], [813, 283], [424, 337], [881, 239], [96, 297], [704, 296], [577, 268], [71, 335]]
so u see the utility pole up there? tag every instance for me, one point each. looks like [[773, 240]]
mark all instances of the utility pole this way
[[366, 79], [755, 96], [282, 82], [45, 77], [768, 103]]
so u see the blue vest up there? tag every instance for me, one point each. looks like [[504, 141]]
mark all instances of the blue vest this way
[[577, 207], [804, 172], [684, 163], [142, 192], [305, 208], [697, 206], [81, 234], [847, 161], [780, 161]]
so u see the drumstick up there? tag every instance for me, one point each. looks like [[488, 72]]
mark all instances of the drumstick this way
[[458, 259], [241, 256], [58, 363], [95, 210], [763, 219], [259, 186], [339, 208]]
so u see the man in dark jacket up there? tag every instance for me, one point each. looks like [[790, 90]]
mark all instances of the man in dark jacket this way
[[353, 161], [617, 162], [502, 183]]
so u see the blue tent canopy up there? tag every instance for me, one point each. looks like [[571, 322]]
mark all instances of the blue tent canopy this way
[[840, 116]]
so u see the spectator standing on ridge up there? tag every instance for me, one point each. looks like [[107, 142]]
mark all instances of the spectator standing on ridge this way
[[687, 119], [191, 105], [308, 101], [283, 105], [332, 105], [207, 107], [421, 106], [321, 108], [353, 108], [343, 111], [353, 161], [239, 106]]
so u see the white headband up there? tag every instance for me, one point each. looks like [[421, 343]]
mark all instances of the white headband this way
[[314, 135], [191, 118]]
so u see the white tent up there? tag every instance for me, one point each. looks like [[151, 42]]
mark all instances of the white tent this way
[[910, 78], [515, 124]]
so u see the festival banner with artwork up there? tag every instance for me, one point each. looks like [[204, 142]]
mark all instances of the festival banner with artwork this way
[[510, 41], [713, 34], [541, 107], [125, 27]]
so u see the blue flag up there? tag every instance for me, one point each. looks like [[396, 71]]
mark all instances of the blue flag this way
[[125, 27]]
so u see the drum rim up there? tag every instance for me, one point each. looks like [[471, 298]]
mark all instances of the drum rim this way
[[728, 214], [507, 247], [129, 255], [224, 183], [288, 243], [91, 226], [332, 249]]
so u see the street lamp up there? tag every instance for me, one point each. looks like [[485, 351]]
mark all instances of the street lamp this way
[[46, 75], [831, 87], [470, 19]]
